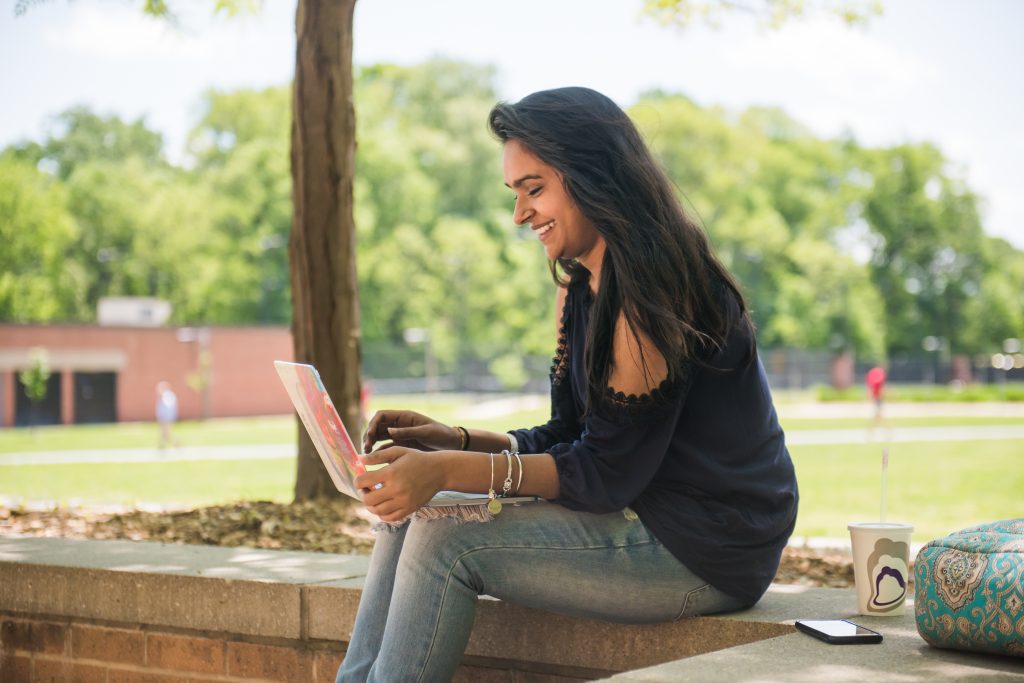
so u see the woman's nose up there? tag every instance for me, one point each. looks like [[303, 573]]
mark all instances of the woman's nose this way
[[521, 213]]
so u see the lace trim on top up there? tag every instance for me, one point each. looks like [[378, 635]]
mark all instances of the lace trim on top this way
[[560, 363], [659, 397]]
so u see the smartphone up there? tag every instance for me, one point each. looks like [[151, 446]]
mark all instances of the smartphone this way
[[839, 632]]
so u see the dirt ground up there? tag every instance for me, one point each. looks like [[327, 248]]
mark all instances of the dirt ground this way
[[322, 526]]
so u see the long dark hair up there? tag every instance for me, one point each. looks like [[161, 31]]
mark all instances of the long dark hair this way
[[658, 269]]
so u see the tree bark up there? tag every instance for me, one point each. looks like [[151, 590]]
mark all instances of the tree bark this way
[[325, 323]]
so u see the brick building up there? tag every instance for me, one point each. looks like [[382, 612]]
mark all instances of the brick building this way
[[109, 374]]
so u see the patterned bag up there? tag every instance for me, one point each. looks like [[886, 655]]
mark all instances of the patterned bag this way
[[969, 589]]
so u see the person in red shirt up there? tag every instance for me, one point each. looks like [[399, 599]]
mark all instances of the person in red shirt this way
[[875, 380]]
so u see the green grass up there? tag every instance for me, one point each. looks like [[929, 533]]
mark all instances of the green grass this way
[[972, 393], [170, 484], [936, 486], [794, 424], [234, 431], [220, 432], [282, 428]]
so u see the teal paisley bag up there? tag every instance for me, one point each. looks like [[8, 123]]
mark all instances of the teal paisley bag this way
[[969, 589]]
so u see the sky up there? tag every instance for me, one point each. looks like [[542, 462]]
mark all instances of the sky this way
[[942, 71]]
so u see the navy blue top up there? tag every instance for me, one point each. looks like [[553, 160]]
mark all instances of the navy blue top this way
[[701, 460]]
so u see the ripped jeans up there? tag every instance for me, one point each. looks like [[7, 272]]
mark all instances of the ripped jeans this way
[[421, 588]]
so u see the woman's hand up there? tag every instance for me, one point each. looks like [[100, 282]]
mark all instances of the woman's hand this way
[[394, 492], [411, 430]]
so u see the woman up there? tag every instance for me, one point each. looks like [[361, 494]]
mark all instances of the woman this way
[[669, 489]]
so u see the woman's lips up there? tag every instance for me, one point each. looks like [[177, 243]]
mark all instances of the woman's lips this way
[[543, 230]]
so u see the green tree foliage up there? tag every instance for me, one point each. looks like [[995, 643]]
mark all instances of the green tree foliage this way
[[437, 249], [928, 256], [241, 145], [35, 377], [146, 231], [836, 246], [80, 136], [775, 201], [232, 120], [996, 310], [768, 13], [37, 280]]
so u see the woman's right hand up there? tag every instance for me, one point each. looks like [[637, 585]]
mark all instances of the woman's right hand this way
[[411, 430]]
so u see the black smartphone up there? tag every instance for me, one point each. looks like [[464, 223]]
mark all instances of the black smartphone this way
[[839, 632]]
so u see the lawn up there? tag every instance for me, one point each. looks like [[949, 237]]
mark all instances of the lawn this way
[[937, 486], [167, 484], [237, 431], [220, 432]]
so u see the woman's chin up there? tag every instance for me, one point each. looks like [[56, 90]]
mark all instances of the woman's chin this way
[[551, 252]]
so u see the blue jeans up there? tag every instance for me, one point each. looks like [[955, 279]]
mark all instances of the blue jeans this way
[[419, 598]]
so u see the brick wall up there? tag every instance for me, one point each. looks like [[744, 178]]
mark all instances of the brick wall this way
[[80, 610], [38, 651], [242, 379]]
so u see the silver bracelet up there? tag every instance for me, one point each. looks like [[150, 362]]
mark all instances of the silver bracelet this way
[[507, 486], [493, 504], [513, 445], [519, 484]]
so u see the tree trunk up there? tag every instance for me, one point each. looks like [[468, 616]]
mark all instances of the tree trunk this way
[[325, 324]]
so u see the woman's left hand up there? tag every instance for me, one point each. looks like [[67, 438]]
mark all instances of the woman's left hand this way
[[394, 492]]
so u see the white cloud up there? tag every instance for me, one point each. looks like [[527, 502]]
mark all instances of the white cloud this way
[[832, 76], [123, 32], [942, 71], [835, 60]]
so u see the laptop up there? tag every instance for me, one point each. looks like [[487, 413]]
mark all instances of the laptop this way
[[332, 441]]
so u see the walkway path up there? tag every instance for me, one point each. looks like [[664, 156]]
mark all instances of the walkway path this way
[[864, 410], [288, 450], [904, 434], [136, 455]]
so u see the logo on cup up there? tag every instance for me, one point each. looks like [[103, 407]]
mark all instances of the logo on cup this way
[[887, 568]]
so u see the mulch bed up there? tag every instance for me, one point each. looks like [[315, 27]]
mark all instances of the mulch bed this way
[[334, 526]]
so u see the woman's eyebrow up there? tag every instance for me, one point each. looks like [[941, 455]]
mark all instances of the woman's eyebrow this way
[[518, 183]]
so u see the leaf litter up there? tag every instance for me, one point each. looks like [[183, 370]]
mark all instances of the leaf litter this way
[[326, 525]]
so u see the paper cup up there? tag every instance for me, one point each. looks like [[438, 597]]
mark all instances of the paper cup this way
[[881, 558]]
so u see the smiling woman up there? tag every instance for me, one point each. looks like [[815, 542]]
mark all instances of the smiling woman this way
[[669, 488], [542, 201]]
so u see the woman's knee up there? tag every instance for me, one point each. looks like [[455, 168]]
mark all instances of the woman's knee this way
[[438, 545], [441, 536]]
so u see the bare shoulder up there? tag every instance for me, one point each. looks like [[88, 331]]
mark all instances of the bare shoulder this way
[[637, 366], [560, 294]]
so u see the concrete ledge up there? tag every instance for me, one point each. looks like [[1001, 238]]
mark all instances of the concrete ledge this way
[[284, 599], [267, 594], [235, 590], [902, 656]]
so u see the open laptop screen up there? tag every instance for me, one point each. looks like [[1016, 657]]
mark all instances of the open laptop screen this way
[[325, 428]]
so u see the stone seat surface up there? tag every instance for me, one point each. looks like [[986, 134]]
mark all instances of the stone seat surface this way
[[312, 597]]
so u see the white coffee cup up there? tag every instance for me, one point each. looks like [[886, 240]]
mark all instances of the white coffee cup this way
[[881, 566]]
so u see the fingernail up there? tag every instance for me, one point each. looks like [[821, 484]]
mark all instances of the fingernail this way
[[391, 430]]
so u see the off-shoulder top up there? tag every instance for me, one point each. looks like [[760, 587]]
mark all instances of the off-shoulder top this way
[[702, 460]]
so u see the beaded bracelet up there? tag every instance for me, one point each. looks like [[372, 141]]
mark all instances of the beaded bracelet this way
[[464, 433]]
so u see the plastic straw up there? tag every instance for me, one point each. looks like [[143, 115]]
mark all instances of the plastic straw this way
[[885, 471]]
